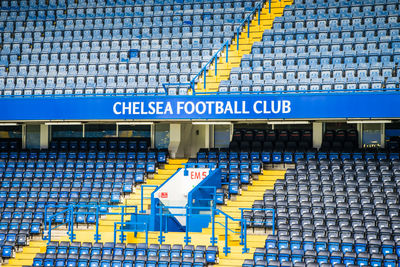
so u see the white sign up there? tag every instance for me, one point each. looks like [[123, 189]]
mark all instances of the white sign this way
[[175, 191]]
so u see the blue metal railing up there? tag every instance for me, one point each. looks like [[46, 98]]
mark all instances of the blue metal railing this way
[[164, 213], [142, 197], [71, 211], [248, 20], [243, 231], [69, 214], [120, 227]]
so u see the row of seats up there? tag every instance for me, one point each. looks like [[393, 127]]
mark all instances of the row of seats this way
[[304, 87], [144, 45], [100, 144], [152, 90], [82, 21], [105, 8], [110, 254], [257, 146], [338, 3], [101, 156], [288, 257], [290, 157], [272, 135], [116, 34], [354, 6], [356, 13], [76, 73], [334, 25]]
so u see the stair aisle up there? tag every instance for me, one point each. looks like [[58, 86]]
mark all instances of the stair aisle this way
[[245, 44], [245, 200]]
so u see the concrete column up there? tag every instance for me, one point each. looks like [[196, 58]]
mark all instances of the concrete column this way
[[318, 133], [23, 144], [186, 139], [360, 134], [44, 136], [212, 132], [33, 136], [152, 135], [174, 139]]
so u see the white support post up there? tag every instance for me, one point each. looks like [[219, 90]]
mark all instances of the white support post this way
[[317, 133], [44, 136]]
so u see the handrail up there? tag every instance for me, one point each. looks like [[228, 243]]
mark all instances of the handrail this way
[[248, 20], [225, 45], [243, 231], [70, 210], [70, 233], [122, 230], [142, 197]]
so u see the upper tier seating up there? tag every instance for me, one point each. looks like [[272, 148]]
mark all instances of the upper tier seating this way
[[83, 172], [334, 211], [322, 45], [107, 47]]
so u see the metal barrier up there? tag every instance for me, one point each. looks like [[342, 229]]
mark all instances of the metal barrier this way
[[142, 197], [248, 20], [122, 229], [73, 210], [243, 231], [69, 214]]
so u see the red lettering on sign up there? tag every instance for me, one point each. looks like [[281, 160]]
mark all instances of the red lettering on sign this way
[[198, 175], [164, 194]]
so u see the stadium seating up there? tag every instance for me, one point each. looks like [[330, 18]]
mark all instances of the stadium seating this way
[[334, 211], [320, 45], [110, 254], [108, 47], [76, 171]]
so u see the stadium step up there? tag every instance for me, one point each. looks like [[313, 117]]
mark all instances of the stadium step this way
[[245, 43], [106, 224], [25, 257]]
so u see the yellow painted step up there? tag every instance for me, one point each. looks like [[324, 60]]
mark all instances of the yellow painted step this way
[[28, 253], [274, 172], [177, 161]]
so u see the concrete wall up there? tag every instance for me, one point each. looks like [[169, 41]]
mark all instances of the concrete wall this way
[[186, 139]]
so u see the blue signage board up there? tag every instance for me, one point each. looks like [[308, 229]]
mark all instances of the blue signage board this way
[[211, 107]]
